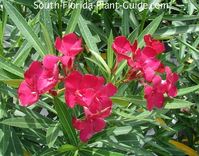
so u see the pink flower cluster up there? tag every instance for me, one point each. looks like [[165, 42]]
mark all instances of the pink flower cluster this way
[[145, 67], [88, 91]]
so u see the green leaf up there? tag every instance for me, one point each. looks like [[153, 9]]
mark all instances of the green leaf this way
[[47, 21], [125, 22], [12, 82], [74, 18], [65, 119], [67, 147], [25, 29], [187, 90], [122, 130], [132, 36], [150, 29], [110, 53], [22, 54], [8, 66], [181, 17], [87, 35], [99, 152], [47, 39], [177, 104], [126, 100], [4, 137], [120, 68], [25, 2], [27, 122], [188, 45], [101, 61], [14, 147], [175, 30], [52, 134], [98, 31], [98, 64]]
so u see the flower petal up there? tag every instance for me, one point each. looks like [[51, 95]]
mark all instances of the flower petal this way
[[98, 124], [50, 61], [26, 95]]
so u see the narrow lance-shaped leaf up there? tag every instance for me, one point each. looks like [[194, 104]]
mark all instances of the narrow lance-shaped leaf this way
[[110, 52], [52, 134], [11, 68], [150, 29], [47, 39], [177, 104], [4, 137], [24, 28], [47, 21], [14, 147], [125, 22], [187, 90], [87, 35], [101, 60], [175, 30], [27, 122], [99, 152], [74, 18], [65, 119]]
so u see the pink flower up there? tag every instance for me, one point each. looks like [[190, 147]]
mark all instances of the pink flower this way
[[27, 94], [171, 79], [145, 61], [88, 127], [123, 48], [49, 77], [39, 79], [155, 94], [90, 92], [85, 89], [155, 44], [69, 46]]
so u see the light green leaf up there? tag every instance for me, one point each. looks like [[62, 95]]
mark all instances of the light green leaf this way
[[12, 82], [47, 21], [181, 17], [188, 45], [52, 134], [99, 152], [150, 29], [177, 104], [14, 147], [65, 118], [175, 30], [25, 29], [87, 35], [48, 42], [132, 36], [120, 68], [126, 100], [125, 22], [4, 137], [187, 90], [110, 53], [101, 60], [66, 147], [8, 66], [74, 18], [27, 122], [22, 54]]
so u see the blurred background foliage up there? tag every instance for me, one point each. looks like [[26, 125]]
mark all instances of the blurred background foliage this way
[[27, 34]]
